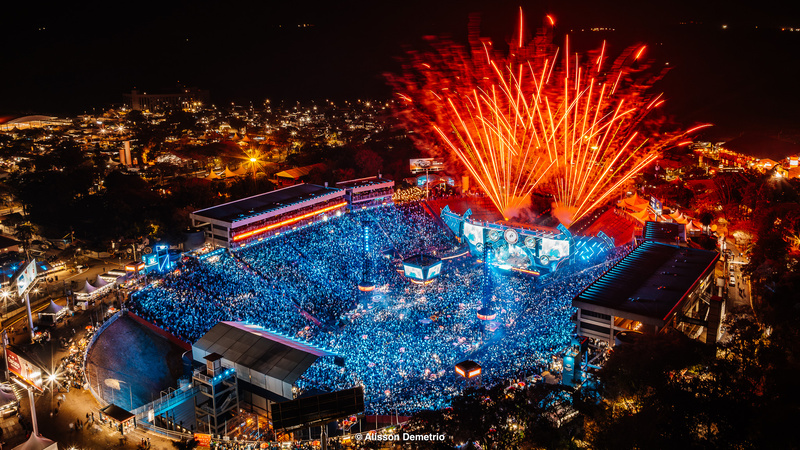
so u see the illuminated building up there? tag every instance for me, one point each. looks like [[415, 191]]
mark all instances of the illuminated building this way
[[655, 287], [255, 218], [367, 192], [187, 99]]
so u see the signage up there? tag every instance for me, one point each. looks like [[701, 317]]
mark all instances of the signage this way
[[26, 278], [24, 369], [418, 165], [203, 440], [656, 205]]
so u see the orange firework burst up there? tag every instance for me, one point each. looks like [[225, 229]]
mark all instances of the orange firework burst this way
[[536, 118]]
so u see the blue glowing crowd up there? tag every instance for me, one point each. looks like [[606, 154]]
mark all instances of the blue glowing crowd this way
[[400, 341]]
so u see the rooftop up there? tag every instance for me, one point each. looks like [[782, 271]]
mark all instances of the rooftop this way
[[117, 413], [361, 182], [261, 350], [664, 231], [650, 281], [264, 203]]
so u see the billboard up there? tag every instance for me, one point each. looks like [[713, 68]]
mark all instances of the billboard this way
[[418, 165], [20, 367], [656, 205], [27, 276]]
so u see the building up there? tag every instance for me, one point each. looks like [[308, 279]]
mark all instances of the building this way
[[186, 99], [216, 404], [665, 232], [9, 123], [656, 286], [253, 219], [367, 192], [297, 175], [267, 364]]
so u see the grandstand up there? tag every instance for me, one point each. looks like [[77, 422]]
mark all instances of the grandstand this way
[[401, 340], [252, 219], [367, 192], [656, 286]]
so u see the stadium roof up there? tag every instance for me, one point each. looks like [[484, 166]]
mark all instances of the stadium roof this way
[[664, 232], [648, 283], [361, 182], [262, 203], [263, 351]]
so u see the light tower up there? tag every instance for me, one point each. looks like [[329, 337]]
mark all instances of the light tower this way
[[486, 311], [366, 284]]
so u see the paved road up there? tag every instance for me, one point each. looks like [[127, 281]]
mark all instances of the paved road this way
[[738, 291]]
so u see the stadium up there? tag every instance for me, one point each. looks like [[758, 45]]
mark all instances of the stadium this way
[[297, 274]]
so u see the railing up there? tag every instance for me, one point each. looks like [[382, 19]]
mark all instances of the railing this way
[[198, 373], [165, 403], [171, 434], [97, 333]]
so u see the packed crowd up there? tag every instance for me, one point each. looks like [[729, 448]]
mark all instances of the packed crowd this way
[[401, 341]]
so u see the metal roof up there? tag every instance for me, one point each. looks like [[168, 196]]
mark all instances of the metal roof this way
[[261, 350], [649, 282], [263, 203], [369, 181], [664, 231]]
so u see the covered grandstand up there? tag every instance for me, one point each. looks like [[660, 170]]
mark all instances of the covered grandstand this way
[[240, 222], [654, 287], [267, 364]]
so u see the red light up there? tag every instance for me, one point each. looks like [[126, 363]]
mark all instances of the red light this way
[[239, 237]]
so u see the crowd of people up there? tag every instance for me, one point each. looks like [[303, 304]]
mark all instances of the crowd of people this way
[[400, 341]]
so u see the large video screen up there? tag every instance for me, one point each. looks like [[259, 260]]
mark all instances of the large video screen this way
[[473, 234], [435, 270], [413, 272], [554, 248]]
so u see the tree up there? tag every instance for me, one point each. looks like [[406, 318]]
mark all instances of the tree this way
[[186, 444], [705, 218]]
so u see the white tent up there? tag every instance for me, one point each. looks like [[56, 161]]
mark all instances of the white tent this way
[[86, 291], [100, 283], [37, 443]]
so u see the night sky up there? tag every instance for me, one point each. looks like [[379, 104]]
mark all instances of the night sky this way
[[68, 58]]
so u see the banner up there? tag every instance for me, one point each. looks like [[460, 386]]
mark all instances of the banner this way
[[26, 277], [25, 370]]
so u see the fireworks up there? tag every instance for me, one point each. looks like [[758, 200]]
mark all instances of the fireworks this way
[[537, 117]]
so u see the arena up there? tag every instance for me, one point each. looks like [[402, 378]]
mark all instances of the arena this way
[[401, 340]]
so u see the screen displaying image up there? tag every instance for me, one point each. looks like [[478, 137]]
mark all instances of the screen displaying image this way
[[554, 248], [413, 272]]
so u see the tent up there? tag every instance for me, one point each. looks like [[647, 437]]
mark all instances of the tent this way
[[37, 443], [641, 216], [692, 226], [633, 202], [51, 314], [86, 290], [229, 173], [242, 170], [212, 176], [99, 283]]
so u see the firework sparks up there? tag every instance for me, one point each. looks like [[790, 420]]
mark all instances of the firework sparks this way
[[537, 118]]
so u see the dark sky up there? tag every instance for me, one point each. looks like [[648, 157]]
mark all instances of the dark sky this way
[[69, 57]]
